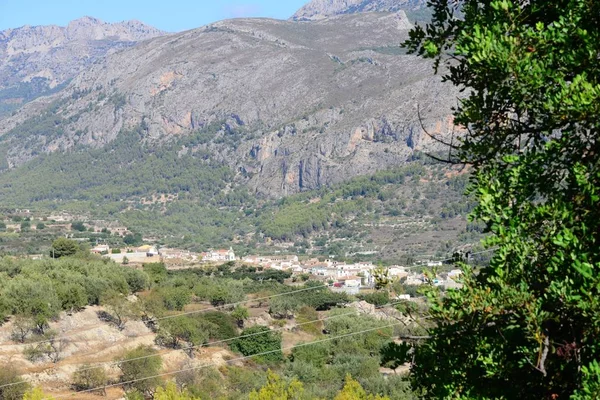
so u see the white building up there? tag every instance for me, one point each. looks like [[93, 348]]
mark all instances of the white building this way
[[100, 249], [219, 255]]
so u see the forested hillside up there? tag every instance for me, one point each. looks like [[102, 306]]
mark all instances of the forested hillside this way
[[410, 210]]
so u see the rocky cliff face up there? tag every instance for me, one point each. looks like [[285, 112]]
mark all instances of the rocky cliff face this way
[[320, 9], [39, 58], [290, 106]]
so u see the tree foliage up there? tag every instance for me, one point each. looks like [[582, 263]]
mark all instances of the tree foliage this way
[[526, 326], [36, 394], [278, 389], [88, 378], [141, 365], [63, 247], [352, 390], [257, 340], [12, 385], [187, 332]]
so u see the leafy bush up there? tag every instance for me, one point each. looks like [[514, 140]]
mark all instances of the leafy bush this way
[[10, 376], [139, 363], [378, 298], [224, 325], [87, 377], [262, 340]]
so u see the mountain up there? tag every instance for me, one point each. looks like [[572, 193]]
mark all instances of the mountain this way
[[287, 106], [37, 60], [320, 9], [246, 131]]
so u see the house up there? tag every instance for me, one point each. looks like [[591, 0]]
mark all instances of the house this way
[[150, 251], [279, 262], [119, 231], [219, 255], [350, 281], [101, 249]]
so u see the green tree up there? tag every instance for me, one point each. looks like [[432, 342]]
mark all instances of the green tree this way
[[25, 226], [278, 389], [16, 385], [36, 394], [33, 297], [72, 296], [170, 392], [240, 314], [87, 378], [63, 247], [352, 390], [133, 239], [183, 332], [138, 364], [22, 326], [40, 226], [527, 325], [119, 308], [257, 340], [78, 226], [283, 306]]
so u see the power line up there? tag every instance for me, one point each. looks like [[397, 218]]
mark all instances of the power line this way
[[225, 305], [111, 363], [185, 313], [226, 361]]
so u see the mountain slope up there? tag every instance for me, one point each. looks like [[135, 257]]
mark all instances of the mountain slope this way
[[294, 106], [36, 59], [320, 9]]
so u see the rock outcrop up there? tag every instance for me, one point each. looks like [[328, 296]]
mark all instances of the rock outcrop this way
[[40, 58], [320, 9]]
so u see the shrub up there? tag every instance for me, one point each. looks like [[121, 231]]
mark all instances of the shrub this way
[[10, 376], [225, 325], [139, 363], [263, 340], [86, 378]]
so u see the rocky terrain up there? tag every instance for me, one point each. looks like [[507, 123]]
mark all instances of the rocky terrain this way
[[320, 9], [291, 106], [37, 59]]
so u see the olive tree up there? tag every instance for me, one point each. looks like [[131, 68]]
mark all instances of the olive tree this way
[[139, 368]]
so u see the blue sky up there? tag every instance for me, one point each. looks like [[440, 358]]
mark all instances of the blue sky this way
[[169, 15]]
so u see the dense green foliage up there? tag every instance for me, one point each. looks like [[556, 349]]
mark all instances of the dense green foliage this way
[[259, 341], [140, 363], [321, 368], [526, 327], [199, 210], [39, 290], [63, 247]]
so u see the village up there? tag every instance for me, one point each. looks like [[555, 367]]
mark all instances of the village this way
[[339, 275]]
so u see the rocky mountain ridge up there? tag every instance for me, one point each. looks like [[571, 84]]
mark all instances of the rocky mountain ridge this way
[[321, 9], [37, 59], [288, 106]]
